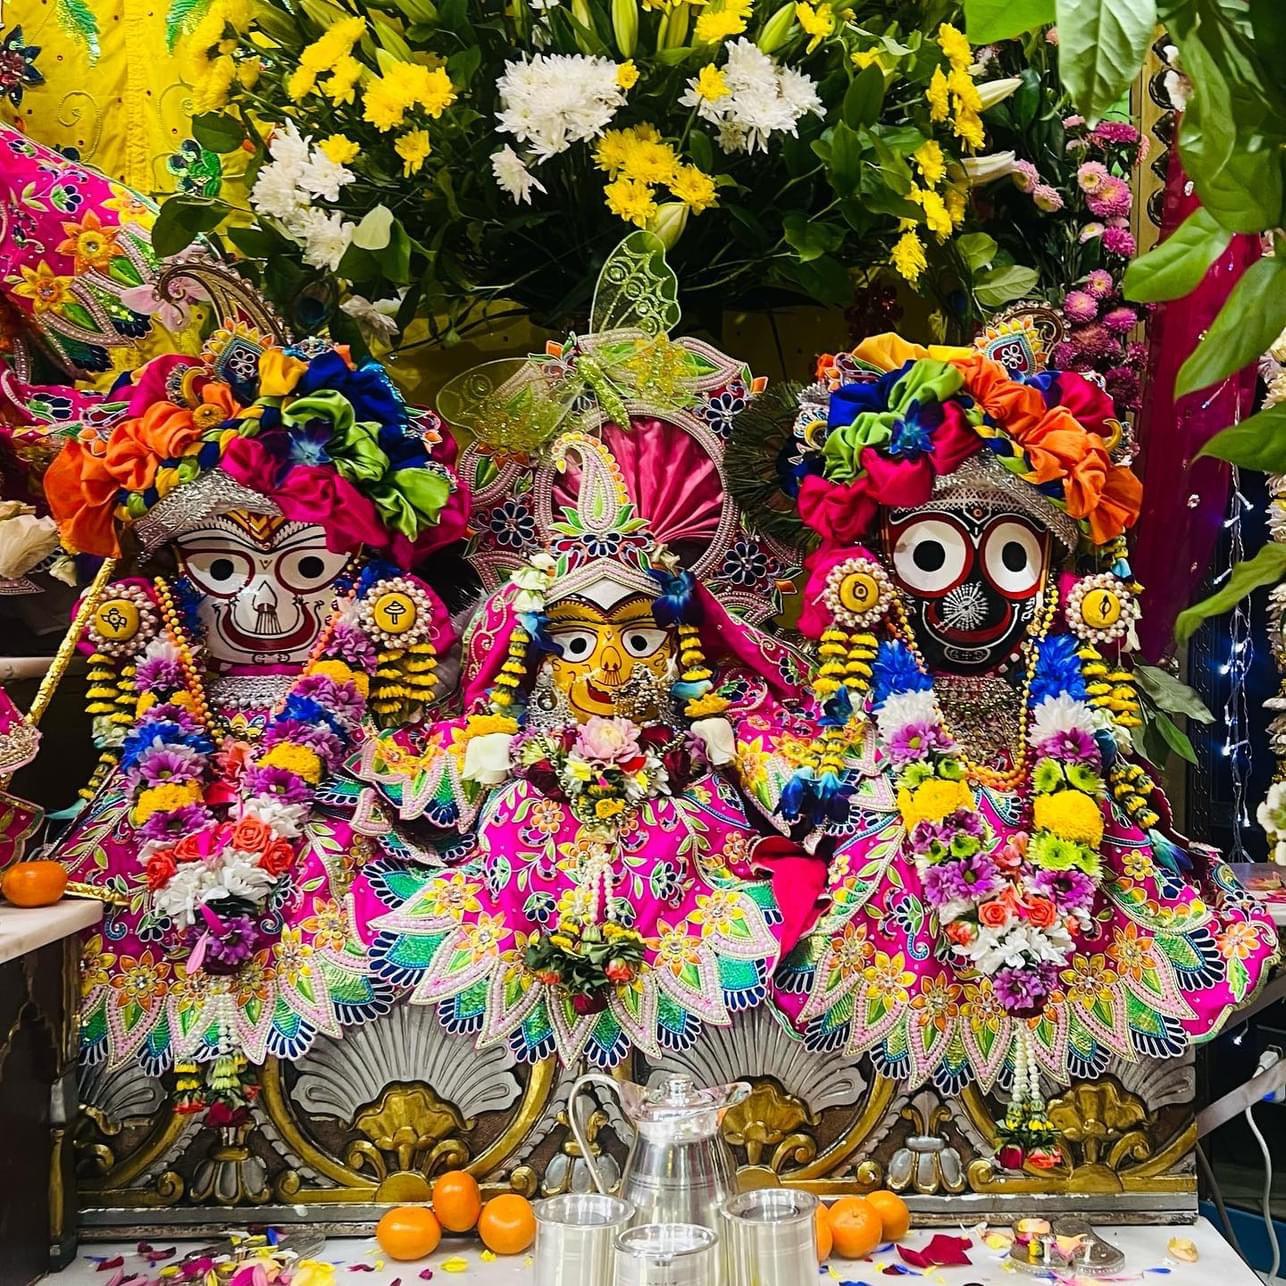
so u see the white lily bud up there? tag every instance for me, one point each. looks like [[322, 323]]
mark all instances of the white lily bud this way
[[984, 169], [996, 91], [668, 223]]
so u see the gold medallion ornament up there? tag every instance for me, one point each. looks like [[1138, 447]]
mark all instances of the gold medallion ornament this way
[[858, 593], [123, 621], [1102, 609]]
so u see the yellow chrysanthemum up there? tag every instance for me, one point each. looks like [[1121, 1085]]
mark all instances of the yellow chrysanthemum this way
[[627, 74], [712, 84], [299, 760], [213, 84], [300, 83], [818, 22], [939, 96], [1070, 814], [332, 45], [930, 161], [612, 148], [960, 83], [403, 86], [936, 217], [955, 45], [165, 799], [339, 149], [650, 162], [342, 673], [695, 188], [721, 19], [934, 799], [908, 257], [630, 200], [967, 126], [341, 85], [414, 149], [248, 72], [957, 201]]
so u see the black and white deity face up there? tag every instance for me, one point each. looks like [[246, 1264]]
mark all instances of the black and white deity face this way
[[267, 586], [972, 578]]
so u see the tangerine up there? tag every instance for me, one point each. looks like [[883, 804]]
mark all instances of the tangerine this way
[[457, 1200], [507, 1225], [856, 1227], [893, 1212], [825, 1239], [34, 883], [408, 1232]]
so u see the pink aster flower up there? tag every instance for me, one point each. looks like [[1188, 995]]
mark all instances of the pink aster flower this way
[[1116, 241], [1123, 386], [1111, 200], [1080, 306], [1062, 355], [1072, 122], [1101, 284], [1047, 198], [1025, 176], [1093, 341], [168, 763], [1115, 132], [1089, 232], [915, 740], [1120, 320], [1091, 176]]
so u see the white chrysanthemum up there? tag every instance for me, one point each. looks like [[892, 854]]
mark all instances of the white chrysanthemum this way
[[1271, 814], [160, 649], [189, 886], [242, 877], [513, 175], [1059, 714], [903, 708], [323, 178], [325, 235], [555, 100], [277, 192], [286, 820], [763, 98]]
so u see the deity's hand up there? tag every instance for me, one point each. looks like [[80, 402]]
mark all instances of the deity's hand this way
[[718, 738], [486, 759]]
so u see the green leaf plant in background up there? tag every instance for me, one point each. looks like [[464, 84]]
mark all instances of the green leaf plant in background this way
[[1232, 141]]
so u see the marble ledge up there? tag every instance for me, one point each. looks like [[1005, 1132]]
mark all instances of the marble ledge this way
[[25, 929]]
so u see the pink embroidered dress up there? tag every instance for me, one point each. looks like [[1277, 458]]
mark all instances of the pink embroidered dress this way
[[275, 498], [614, 886], [1007, 900]]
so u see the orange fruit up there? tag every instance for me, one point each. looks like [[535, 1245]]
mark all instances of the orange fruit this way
[[825, 1240], [893, 1212], [34, 883], [507, 1225], [457, 1201], [856, 1227], [408, 1232]]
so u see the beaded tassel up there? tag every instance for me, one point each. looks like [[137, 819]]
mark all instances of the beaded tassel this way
[[511, 672], [833, 650], [696, 676], [1132, 788], [404, 681], [1108, 689], [388, 692], [862, 650]]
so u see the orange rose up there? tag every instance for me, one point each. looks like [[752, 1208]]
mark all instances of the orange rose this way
[[188, 849], [961, 932], [278, 857], [251, 835], [994, 914], [1041, 912]]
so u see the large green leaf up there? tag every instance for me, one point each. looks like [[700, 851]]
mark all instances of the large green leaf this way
[[990, 20], [1247, 325], [864, 97], [1266, 568], [1170, 694], [1101, 45], [1002, 285], [1256, 443], [1176, 267], [218, 131], [182, 220]]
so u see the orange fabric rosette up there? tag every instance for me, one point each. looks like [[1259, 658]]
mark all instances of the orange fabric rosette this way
[[85, 478]]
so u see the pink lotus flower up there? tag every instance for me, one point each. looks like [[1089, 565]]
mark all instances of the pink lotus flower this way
[[607, 741]]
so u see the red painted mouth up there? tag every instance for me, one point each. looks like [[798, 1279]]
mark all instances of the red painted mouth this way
[[302, 635]]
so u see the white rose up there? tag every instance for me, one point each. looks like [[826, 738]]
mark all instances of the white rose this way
[[486, 758], [25, 540], [718, 738]]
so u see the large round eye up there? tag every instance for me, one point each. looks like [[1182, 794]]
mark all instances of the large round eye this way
[[576, 645], [931, 555], [641, 641], [309, 568], [220, 572], [1013, 557]]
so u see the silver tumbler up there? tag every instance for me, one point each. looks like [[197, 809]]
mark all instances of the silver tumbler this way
[[667, 1254], [768, 1238], [576, 1238]]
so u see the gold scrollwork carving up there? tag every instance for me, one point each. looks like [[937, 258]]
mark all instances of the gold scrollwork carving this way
[[769, 1117]]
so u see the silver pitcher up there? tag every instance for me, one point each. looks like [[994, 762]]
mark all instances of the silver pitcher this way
[[679, 1170]]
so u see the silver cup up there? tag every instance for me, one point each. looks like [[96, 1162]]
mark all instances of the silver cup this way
[[576, 1238], [667, 1254], [768, 1238]]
